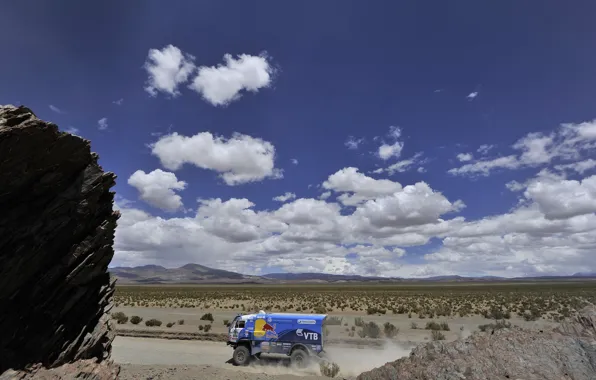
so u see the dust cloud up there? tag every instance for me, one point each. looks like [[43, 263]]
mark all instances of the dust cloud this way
[[351, 360]]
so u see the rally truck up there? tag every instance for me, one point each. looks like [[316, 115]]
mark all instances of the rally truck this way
[[299, 336]]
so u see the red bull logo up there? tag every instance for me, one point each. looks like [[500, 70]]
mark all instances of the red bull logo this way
[[262, 328]]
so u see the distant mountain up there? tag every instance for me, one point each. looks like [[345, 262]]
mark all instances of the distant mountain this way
[[200, 274], [186, 274], [323, 277], [584, 275]]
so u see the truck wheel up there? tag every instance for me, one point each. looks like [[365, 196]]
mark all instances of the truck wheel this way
[[241, 356], [299, 358]]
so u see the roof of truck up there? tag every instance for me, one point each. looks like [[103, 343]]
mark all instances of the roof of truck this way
[[316, 317]]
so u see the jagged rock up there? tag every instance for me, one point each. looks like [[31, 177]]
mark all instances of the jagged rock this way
[[56, 235], [501, 354], [88, 369]]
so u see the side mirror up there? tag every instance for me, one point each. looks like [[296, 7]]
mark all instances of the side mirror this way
[[228, 325]]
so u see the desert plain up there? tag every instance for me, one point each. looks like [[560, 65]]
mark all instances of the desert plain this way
[[179, 330]]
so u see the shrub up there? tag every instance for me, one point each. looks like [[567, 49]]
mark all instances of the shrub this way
[[437, 335], [370, 330], [330, 321], [503, 324], [390, 330], [414, 326], [358, 321], [226, 321], [120, 317], [207, 328], [329, 369], [432, 325], [201, 327], [320, 310], [153, 322], [181, 321], [135, 319], [444, 326], [170, 324], [207, 317]]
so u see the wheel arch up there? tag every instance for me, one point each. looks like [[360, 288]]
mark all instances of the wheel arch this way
[[299, 346]]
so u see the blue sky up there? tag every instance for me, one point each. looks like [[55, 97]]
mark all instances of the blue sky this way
[[413, 138]]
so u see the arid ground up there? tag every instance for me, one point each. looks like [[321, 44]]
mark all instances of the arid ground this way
[[368, 325]]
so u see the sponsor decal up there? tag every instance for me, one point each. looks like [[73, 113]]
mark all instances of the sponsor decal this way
[[307, 322]]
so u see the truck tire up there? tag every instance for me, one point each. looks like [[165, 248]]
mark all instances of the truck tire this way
[[299, 358], [241, 356]]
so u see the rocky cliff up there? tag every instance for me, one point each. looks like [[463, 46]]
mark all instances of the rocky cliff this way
[[567, 353], [56, 235]]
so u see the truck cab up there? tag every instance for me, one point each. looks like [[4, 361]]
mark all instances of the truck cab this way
[[299, 336]]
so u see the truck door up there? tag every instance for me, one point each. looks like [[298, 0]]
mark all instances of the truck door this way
[[235, 327]]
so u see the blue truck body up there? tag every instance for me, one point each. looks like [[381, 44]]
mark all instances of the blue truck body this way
[[277, 333]]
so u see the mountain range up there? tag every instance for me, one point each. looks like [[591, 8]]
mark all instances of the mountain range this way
[[200, 274]]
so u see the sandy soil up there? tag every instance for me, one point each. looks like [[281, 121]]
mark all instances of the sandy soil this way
[[144, 358], [459, 327]]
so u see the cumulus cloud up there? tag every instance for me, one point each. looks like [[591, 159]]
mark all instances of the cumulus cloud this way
[[285, 197], [239, 159], [357, 187], [167, 68], [552, 232], [386, 151], [563, 199], [567, 143], [102, 124], [158, 188], [294, 161], [220, 85], [369, 224], [325, 195], [463, 157], [118, 102]]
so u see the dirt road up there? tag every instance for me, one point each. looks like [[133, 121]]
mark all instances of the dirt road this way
[[180, 359]]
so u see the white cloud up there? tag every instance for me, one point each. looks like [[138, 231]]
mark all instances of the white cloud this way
[[56, 109], [325, 195], [118, 102], [294, 161], [221, 85], [472, 95], [580, 167], [386, 151], [353, 143], [285, 197], [102, 124], [484, 148], [563, 199], [357, 187], [158, 188], [167, 69], [552, 232], [403, 165], [566, 143], [72, 131], [239, 159], [463, 157]]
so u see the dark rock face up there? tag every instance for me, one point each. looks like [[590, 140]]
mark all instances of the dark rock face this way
[[566, 353], [56, 236]]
